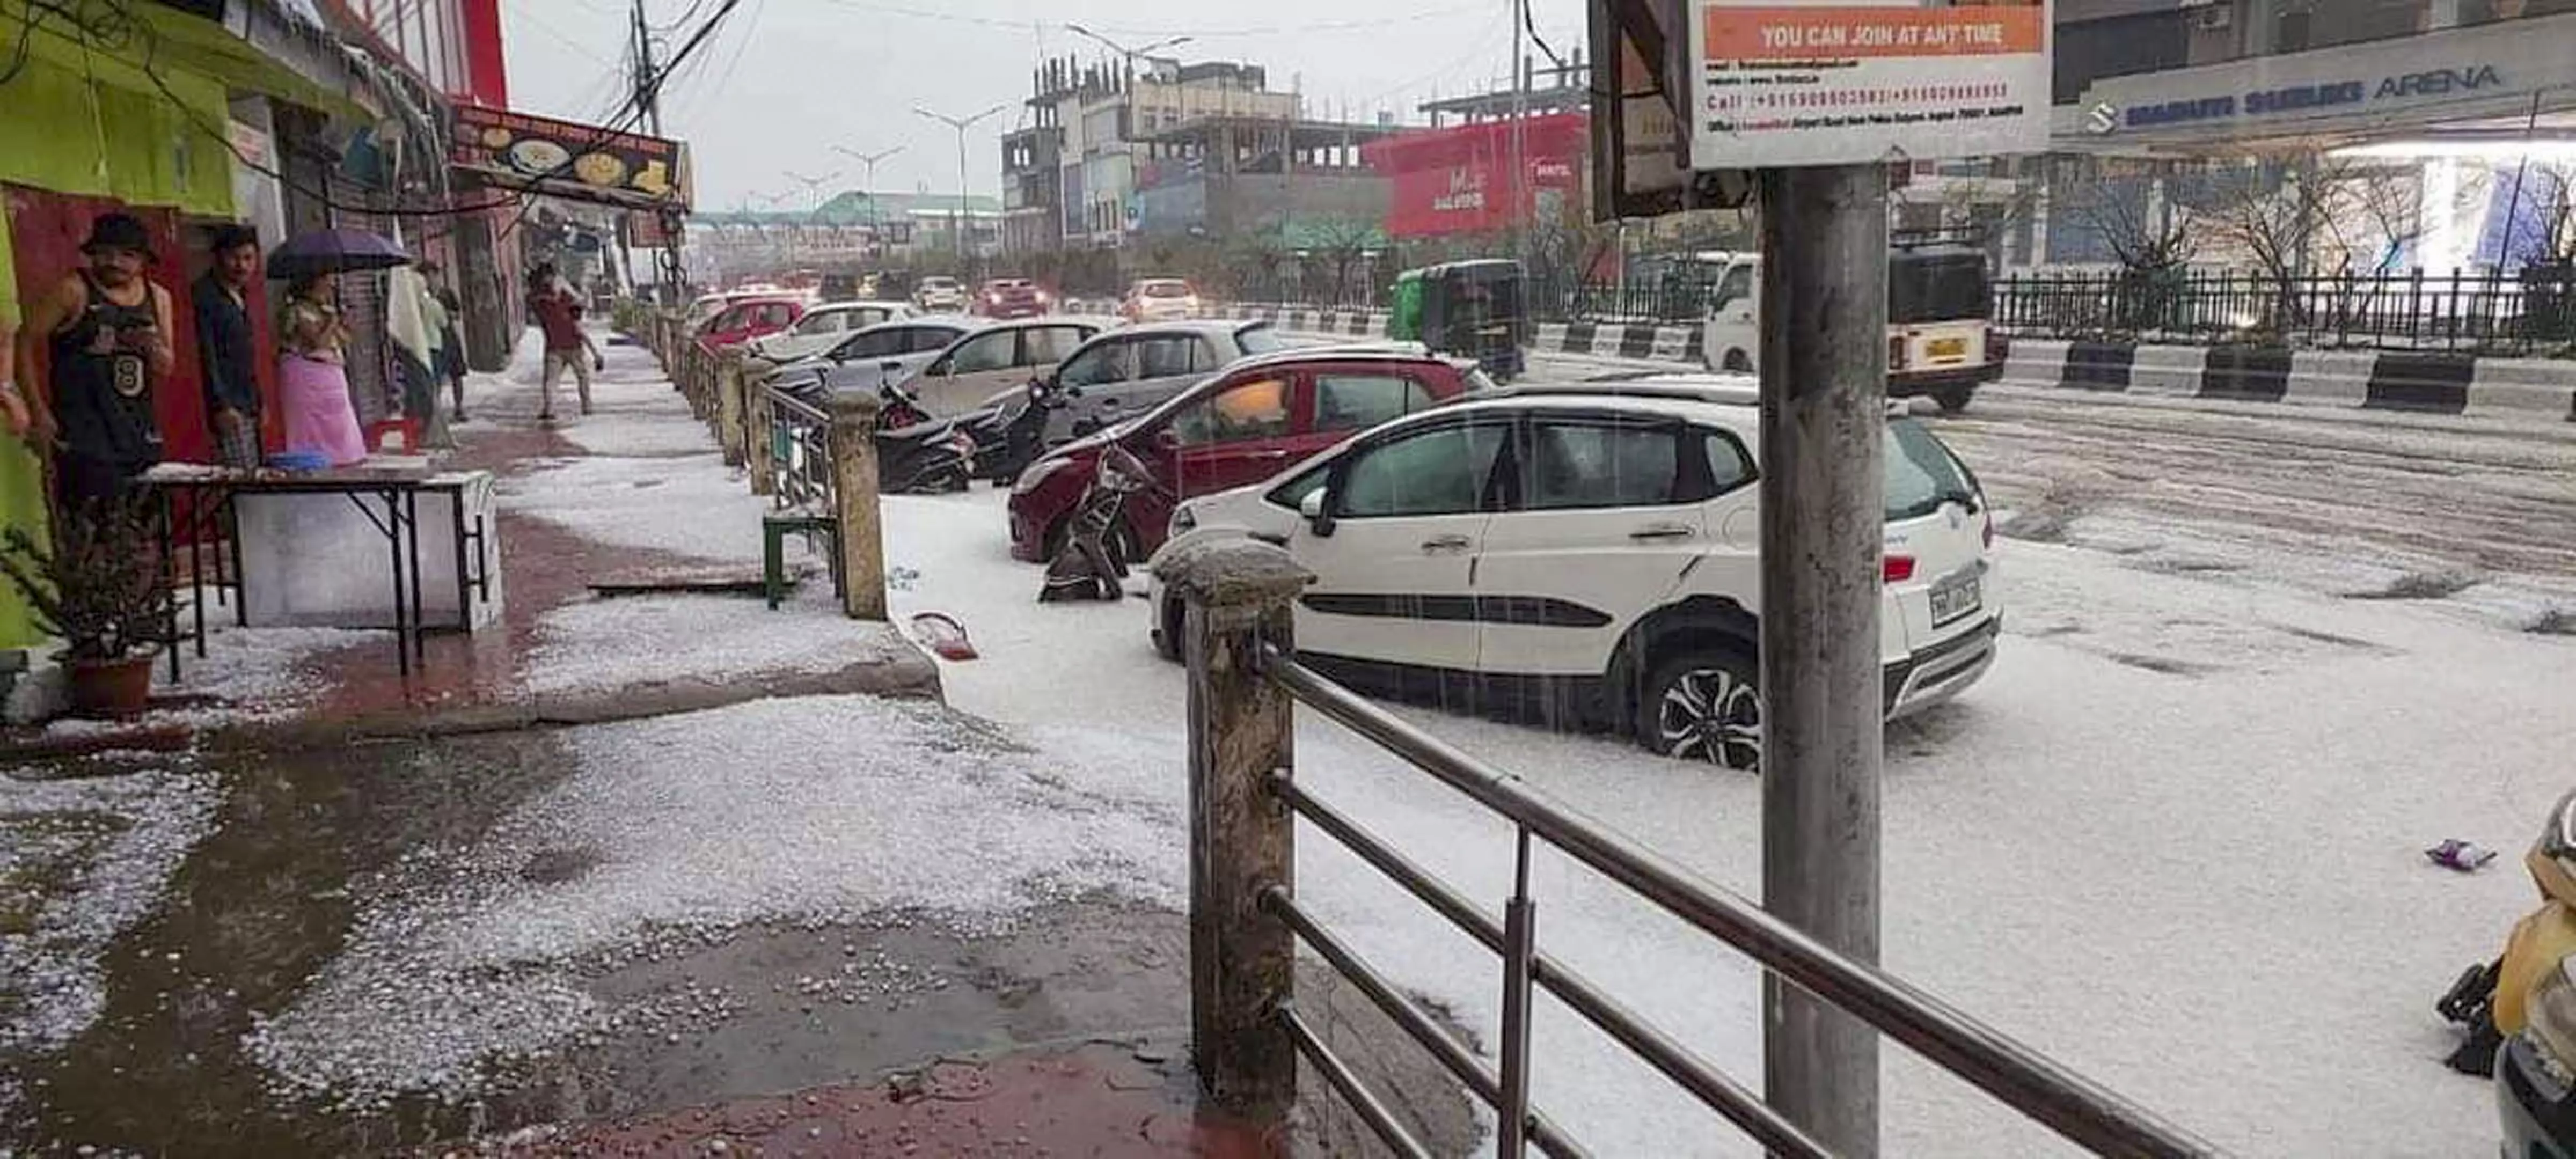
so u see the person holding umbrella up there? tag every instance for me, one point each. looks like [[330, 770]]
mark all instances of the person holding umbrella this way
[[312, 373], [104, 336], [312, 370]]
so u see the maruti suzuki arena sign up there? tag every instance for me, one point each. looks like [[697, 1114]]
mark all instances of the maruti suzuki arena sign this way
[[2309, 97]]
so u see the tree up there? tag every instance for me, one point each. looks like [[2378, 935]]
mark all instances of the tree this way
[[2312, 220]]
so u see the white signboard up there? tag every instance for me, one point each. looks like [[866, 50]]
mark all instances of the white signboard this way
[[1786, 82]]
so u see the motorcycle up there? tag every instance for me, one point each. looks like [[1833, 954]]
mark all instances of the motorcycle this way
[[917, 454], [1089, 566], [1019, 436], [2518, 1012]]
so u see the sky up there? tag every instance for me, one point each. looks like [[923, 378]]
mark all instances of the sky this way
[[785, 82]]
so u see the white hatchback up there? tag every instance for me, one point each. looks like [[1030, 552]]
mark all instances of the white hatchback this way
[[1591, 557]]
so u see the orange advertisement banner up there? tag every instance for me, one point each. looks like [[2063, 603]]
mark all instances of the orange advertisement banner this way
[[1873, 32]]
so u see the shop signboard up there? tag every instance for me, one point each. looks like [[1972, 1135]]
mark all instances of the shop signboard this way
[[1784, 82], [509, 150]]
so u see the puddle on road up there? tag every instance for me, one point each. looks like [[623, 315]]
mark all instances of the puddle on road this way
[[267, 900], [260, 904]]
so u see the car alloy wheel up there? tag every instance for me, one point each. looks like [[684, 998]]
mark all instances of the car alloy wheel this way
[[1707, 708]]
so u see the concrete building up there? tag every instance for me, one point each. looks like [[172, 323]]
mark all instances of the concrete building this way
[[1114, 153]]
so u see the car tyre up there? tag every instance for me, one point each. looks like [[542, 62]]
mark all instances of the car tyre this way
[[1174, 619], [1738, 362], [1704, 705], [1954, 399]]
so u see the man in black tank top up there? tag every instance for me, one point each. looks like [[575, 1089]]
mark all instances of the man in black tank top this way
[[105, 334]]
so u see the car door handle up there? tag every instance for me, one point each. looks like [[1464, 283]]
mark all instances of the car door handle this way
[[1272, 454], [1664, 531], [1443, 544]]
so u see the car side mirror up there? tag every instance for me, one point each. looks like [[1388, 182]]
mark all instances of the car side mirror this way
[[1314, 508], [1167, 440]]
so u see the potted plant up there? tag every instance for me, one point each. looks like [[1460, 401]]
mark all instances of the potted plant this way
[[97, 589]]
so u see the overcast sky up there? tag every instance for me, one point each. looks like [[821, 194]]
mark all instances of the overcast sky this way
[[783, 81]]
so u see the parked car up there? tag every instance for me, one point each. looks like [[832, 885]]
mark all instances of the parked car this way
[[939, 294], [1233, 428], [1011, 298], [1128, 371], [1158, 299], [996, 357], [1594, 557], [750, 318], [705, 307], [823, 328], [863, 358]]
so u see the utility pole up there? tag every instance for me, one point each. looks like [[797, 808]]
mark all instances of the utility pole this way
[[1824, 398], [957, 228], [1517, 188], [868, 163]]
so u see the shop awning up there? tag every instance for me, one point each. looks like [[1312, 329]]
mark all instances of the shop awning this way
[[221, 53]]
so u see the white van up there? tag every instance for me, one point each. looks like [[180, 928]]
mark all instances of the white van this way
[[1940, 340]]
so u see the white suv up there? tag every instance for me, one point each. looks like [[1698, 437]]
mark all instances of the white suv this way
[[1590, 556]]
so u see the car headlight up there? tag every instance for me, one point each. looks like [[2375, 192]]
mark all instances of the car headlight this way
[[1038, 473], [2549, 1022], [1183, 519]]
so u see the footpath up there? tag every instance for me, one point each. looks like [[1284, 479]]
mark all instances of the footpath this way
[[655, 873]]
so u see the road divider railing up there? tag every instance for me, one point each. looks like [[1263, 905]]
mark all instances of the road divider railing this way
[[1246, 921]]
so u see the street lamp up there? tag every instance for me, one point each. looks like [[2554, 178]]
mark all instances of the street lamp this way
[[958, 227], [876, 225]]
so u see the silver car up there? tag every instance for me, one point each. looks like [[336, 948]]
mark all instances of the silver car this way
[[824, 327], [1126, 372], [997, 357], [887, 351]]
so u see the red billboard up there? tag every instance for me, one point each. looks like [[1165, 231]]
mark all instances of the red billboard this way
[[1456, 180]]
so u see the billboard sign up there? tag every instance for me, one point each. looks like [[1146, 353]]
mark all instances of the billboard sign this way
[[567, 159], [1780, 82]]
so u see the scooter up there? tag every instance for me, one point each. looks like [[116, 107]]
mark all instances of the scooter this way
[[2494, 1003], [1021, 435], [1089, 566], [917, 455]]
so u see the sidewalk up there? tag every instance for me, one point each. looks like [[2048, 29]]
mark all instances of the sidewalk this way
[[737, 905], [631, 493]]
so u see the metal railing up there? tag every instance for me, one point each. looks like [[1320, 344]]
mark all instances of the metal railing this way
[[1244, 682], [2532, 312], [799, 446]]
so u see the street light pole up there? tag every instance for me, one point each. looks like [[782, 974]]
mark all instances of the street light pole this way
[[876, 225], [957, 228]]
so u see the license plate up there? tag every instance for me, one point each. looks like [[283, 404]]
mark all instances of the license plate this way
[[1957, 596], [1952, 349]]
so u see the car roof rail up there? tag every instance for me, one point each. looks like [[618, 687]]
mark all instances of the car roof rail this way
[[1671, 386]]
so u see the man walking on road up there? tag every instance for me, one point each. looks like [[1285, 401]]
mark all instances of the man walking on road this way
[[225, 348], [558, 313], [104, 337]]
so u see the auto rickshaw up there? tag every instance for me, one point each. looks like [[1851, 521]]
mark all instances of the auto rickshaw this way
[[1473, 308]]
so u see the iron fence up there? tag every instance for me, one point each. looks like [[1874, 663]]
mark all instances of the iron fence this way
[[2532, 312], [799, 446], [1244, 681]]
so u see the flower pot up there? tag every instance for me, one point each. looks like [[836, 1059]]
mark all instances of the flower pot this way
[[112, 688]]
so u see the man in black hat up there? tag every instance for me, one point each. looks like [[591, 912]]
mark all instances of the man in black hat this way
[[105, 332]]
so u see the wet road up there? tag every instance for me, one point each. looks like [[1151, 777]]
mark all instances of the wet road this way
[[2340, 500]]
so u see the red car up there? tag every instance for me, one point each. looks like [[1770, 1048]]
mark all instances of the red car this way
[[1009, 298], [748, 319], [1245, 424]]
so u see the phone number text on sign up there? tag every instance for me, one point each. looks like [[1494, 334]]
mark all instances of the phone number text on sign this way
[[1823, 84]]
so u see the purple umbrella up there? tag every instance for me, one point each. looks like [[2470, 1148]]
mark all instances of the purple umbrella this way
[[334, 251]]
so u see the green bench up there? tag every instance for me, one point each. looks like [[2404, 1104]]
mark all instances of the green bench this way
[[775, 527]]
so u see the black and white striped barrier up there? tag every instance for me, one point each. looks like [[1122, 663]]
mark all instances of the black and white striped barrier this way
[[2429, 382]]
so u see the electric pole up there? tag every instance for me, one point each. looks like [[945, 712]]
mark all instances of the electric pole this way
[[1824, 396], [1519, 179], [957, 228]]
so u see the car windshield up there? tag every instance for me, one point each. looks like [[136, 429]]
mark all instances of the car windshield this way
[[1922, 474], [1258, 338], [1167, 289]]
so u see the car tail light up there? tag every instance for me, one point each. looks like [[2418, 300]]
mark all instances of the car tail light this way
[[1897, 569], [1896, 352]]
